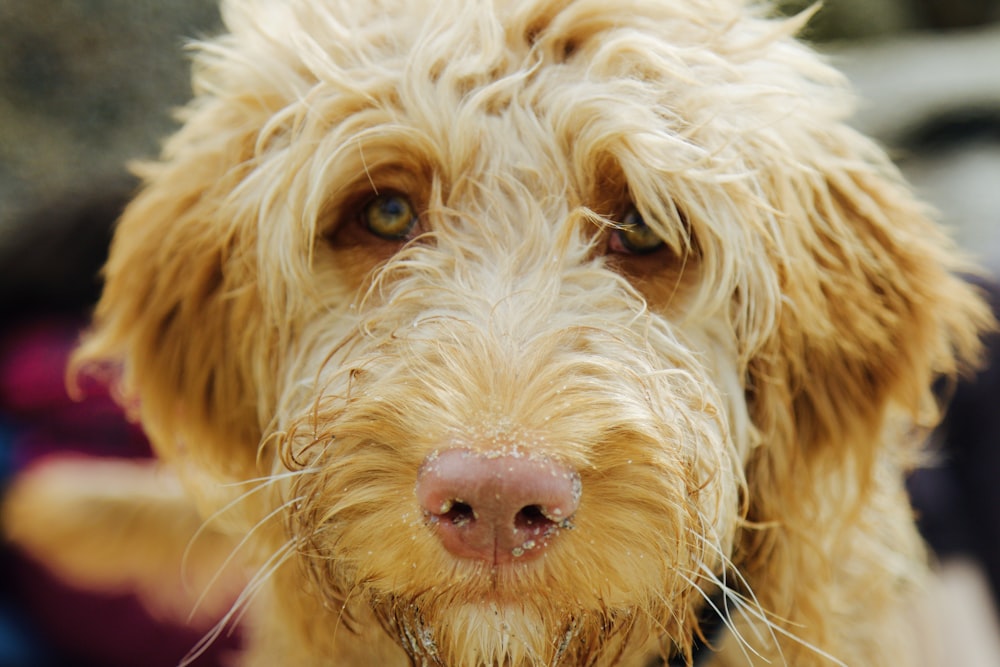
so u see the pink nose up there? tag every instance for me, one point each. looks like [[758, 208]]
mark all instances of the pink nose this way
[[496, 508]]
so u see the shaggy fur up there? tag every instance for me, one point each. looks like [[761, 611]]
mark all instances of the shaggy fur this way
[[740, 402]]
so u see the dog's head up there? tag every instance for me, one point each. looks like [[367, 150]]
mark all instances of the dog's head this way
[[632, 242]]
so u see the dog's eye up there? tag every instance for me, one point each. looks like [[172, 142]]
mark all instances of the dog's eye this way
[[390, 216], [634, 236]]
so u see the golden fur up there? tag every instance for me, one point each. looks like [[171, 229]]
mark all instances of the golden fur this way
[[741, 404]]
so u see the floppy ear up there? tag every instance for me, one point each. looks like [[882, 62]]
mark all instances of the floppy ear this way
[[178, 323], [872, 314], [181, 328], [873, 311]]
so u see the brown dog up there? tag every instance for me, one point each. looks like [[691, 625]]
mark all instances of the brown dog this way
[[522, 332]]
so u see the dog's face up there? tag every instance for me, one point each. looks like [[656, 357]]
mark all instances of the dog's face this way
[[630, 243]]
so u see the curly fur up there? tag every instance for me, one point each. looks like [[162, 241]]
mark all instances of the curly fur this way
[[741, 405]]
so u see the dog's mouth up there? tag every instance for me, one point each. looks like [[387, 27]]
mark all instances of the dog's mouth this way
[[511, 633]]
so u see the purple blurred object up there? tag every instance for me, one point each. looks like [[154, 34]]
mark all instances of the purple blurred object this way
[[38, 419]]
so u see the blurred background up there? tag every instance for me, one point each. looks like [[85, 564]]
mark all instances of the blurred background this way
[[87, 85]]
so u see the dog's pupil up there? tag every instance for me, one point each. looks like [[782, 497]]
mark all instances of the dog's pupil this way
[[636, 235], [392, 207]]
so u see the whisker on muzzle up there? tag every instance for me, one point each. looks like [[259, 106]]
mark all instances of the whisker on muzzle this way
[[233, 617]]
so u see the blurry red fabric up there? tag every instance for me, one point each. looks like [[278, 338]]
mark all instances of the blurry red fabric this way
[[39, 419]]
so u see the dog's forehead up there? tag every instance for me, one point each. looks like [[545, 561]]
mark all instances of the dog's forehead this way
[[494, 56], [374, 29], [560, 95]]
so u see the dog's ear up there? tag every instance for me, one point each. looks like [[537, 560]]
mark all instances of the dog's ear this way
[[176, 327], [872, 312]]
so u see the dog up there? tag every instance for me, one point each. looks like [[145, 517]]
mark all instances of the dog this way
[[517, 332]]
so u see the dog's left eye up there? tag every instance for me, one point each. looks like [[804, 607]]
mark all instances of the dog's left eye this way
[[390, 216], [634, 236]]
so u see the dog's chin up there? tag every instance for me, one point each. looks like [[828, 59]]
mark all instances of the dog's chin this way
[[509, 632]]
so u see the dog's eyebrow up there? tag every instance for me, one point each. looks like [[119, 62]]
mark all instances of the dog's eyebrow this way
[[361, 155]]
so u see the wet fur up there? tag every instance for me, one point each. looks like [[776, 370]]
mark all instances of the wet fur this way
[[741, 405]]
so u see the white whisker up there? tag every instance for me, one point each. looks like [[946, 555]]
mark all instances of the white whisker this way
[[271, 566], [261, 484], [749, 606], [239, 607], [272, 478], [235, 550], [757, 615], [726, 620], [742, 600]]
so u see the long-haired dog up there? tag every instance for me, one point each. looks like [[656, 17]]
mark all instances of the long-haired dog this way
[[517, 332]]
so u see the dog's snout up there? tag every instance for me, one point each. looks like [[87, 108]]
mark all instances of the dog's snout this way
[[497, 507]]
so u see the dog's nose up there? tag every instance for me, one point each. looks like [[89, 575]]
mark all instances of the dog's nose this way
[[497, 507]]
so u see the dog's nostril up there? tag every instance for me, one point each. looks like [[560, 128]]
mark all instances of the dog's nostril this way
[[531, 516], [459, 513]]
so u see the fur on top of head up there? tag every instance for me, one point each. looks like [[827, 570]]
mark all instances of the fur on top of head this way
[[759, 364]]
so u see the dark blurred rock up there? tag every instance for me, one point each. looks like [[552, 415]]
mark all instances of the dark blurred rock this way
[[86, 85], [853, 20]]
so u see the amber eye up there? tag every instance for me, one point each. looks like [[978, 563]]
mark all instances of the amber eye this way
[[390, 216], [634, 235]]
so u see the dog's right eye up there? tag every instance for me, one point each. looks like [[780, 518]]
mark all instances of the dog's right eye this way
[[390, 216], [634, 236]]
